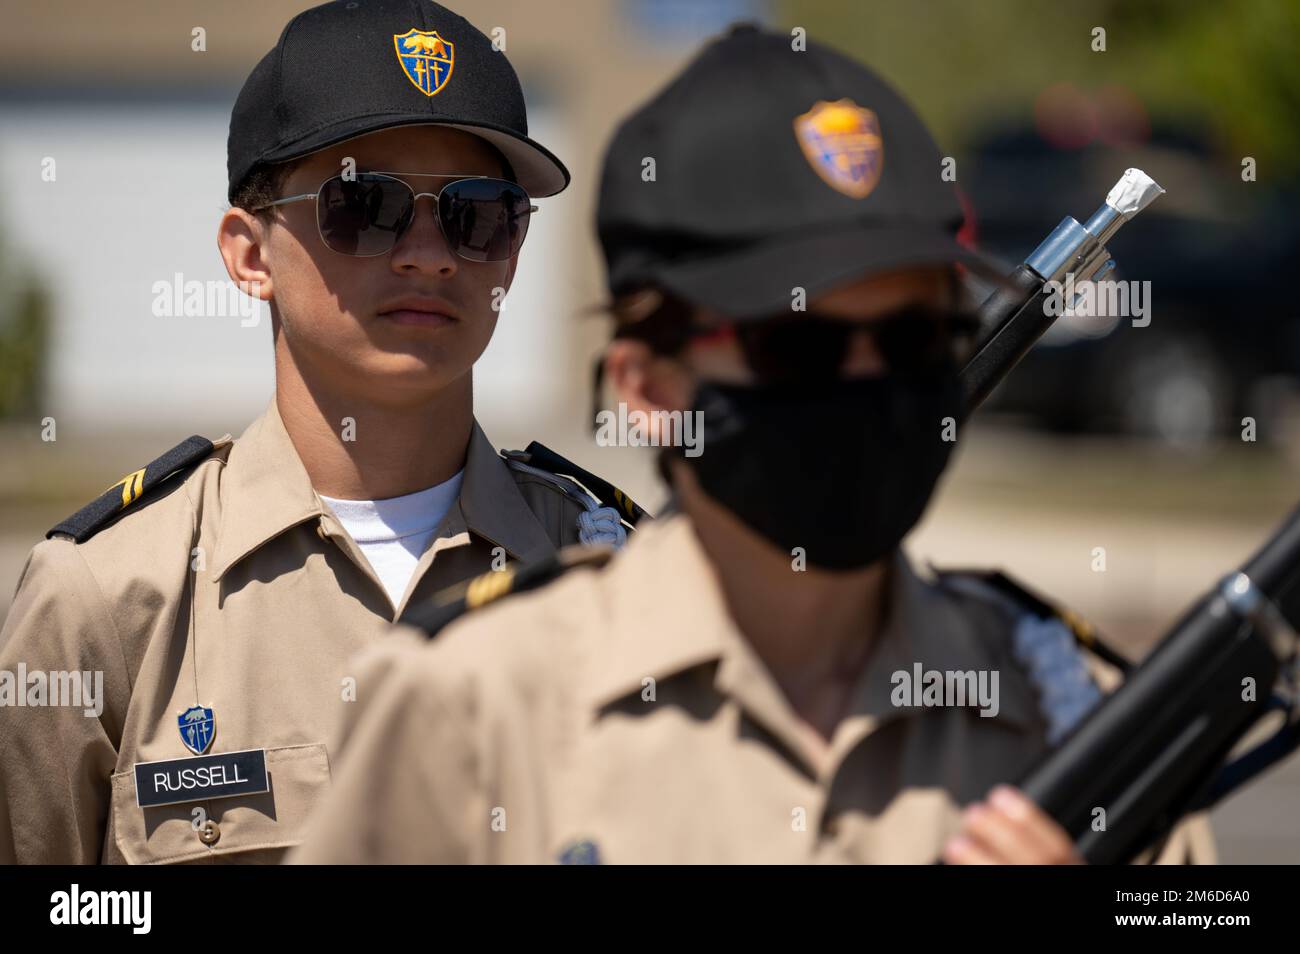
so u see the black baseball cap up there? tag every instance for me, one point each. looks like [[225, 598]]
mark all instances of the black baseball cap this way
[[352, 67], [773, 169]]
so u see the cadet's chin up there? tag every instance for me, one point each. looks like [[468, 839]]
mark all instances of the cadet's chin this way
[[413, 375]]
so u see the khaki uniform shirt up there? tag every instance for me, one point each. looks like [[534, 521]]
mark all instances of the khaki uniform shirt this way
[[618, 715], [260, 631]]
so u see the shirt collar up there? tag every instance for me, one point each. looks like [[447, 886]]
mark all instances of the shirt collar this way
[[266, 491], [668, 613], [670, 616], [926, 627], [491, 506]]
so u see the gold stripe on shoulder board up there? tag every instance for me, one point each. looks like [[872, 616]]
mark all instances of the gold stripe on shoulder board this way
[[1082, 629], [488, 587], [132, 486]]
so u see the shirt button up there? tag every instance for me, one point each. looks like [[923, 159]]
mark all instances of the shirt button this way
[[210, 833]]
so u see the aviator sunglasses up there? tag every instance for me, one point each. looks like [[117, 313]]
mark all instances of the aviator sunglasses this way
[[482, 219]]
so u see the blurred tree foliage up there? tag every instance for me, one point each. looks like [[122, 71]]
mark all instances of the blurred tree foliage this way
[[1230, 68], [24, 332]]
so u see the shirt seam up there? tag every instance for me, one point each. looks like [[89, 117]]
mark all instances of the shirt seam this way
[[99, 591]]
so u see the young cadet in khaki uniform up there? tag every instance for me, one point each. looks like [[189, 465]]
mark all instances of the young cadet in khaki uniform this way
[[705, 696], [216, 592]]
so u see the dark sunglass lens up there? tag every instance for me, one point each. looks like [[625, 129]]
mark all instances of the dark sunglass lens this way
[[916, 339], [806, 349], [484, 220], [364, 215]]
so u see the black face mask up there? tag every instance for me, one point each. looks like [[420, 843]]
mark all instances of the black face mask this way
[[842, 468]]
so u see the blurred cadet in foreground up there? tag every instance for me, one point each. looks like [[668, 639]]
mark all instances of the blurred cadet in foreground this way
[[761, 675]]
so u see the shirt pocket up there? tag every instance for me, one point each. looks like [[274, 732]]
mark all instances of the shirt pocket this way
[[243, 829]]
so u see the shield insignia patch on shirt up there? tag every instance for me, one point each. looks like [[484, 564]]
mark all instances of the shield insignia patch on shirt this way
[[579, 853], [841, 141], [197, 728], [426, 59]]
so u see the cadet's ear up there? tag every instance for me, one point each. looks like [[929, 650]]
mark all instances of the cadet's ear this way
[[646, 381], [241, 238]]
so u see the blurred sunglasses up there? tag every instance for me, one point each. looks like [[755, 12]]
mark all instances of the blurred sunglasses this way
[[911, 339], [483, 219]]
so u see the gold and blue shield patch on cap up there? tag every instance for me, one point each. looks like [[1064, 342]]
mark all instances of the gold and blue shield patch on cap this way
[[426, 58], [841, 141]]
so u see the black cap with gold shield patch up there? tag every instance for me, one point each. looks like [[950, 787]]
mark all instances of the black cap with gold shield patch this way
[[352, 67], [764, 167]]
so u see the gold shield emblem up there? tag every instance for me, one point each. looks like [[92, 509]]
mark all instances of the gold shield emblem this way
[[841, 141], [427, 59]]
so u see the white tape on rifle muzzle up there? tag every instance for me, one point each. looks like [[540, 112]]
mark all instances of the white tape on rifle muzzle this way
[[1133, 193]]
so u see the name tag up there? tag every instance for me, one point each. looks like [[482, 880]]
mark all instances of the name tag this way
[[203, 777]]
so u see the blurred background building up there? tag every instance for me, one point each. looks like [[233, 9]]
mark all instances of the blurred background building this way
[[1109, 436]]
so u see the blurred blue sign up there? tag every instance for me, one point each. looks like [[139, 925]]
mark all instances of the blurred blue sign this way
[[687, 20]]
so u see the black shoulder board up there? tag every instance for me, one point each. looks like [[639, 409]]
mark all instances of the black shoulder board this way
[[489, 587], [1085, 634], [539, 455], [93, 517]]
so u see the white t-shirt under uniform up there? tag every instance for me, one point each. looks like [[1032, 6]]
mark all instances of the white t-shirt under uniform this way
[[394, 533]]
